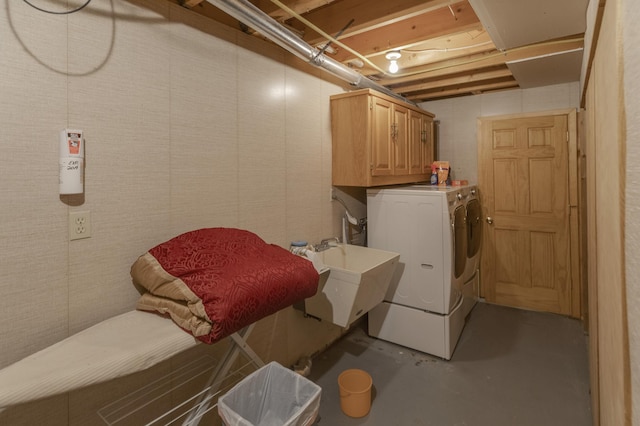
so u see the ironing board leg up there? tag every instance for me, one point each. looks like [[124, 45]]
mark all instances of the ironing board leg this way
[[238, 344]]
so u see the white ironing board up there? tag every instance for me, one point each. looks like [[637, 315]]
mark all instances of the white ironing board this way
[[125, 344], [118, 346]]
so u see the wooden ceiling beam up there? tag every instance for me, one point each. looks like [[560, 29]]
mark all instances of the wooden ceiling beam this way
[[190, 3], [267, 6], [463, 91], [436, 50], [298, 6], [411, 31], [367, 15], [473, 77]]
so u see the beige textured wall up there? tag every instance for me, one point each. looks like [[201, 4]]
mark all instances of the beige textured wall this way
[[187, 125]]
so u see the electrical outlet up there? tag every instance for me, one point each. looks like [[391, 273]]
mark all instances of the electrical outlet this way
[[79, 225]]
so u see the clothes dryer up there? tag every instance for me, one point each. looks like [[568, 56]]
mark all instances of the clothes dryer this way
[[427, 226], [471, 276], [474, 232]]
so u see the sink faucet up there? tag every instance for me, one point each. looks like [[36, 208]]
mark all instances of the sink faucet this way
[[328, 240], [325, 244]]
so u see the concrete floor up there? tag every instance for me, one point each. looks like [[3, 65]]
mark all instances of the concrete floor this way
[[510, 367]]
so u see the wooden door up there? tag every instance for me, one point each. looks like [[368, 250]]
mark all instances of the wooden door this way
[[381, 137], [524, 184]]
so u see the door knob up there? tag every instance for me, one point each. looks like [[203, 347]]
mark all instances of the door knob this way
[[489, 220]]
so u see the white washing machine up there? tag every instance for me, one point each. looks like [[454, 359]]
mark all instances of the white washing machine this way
[[424, 308]]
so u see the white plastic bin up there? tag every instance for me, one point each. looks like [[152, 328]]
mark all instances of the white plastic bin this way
[[271, 396]]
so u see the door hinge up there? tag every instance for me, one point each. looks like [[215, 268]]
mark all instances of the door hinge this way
[[567, 136]]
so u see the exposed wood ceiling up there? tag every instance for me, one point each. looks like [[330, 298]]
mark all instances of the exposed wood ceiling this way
[[449, 48]]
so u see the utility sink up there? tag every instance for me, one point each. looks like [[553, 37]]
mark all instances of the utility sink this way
[[358, 281]]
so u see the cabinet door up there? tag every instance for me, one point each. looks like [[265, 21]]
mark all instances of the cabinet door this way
[[416, 142], [427, 144], [400, 133], [381, 137]]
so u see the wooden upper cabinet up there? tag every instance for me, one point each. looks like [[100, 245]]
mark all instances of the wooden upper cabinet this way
[[420, 142], [379, 140]]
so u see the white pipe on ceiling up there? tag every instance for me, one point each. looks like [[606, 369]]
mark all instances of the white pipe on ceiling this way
[[250, 15]]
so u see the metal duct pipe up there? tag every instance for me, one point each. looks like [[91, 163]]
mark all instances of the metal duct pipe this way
[[250, 15]]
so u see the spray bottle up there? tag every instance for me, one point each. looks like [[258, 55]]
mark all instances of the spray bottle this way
[[434, 174]]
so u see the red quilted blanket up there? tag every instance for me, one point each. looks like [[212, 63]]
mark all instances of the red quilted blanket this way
[[215, 281]]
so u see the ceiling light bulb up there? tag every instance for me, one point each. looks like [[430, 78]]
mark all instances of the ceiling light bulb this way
[[393, 57]]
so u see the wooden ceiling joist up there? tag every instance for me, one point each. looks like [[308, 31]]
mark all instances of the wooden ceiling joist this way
[[191, 3], [459, 91], [408, 32], [366, 14], [474, 77], [298, 6]]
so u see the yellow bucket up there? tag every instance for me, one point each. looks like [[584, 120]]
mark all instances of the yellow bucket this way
[[355, 392]]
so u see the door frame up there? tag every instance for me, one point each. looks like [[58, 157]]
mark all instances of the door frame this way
[[577, 283]]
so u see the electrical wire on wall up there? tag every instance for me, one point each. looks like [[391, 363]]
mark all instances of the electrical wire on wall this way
[[66, 12], [446, 49], [89, 64]]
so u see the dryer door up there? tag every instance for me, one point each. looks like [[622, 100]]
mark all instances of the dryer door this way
[[474, 227], [460, 240]]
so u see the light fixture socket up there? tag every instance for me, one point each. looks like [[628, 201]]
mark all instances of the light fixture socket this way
[[393, 55]]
